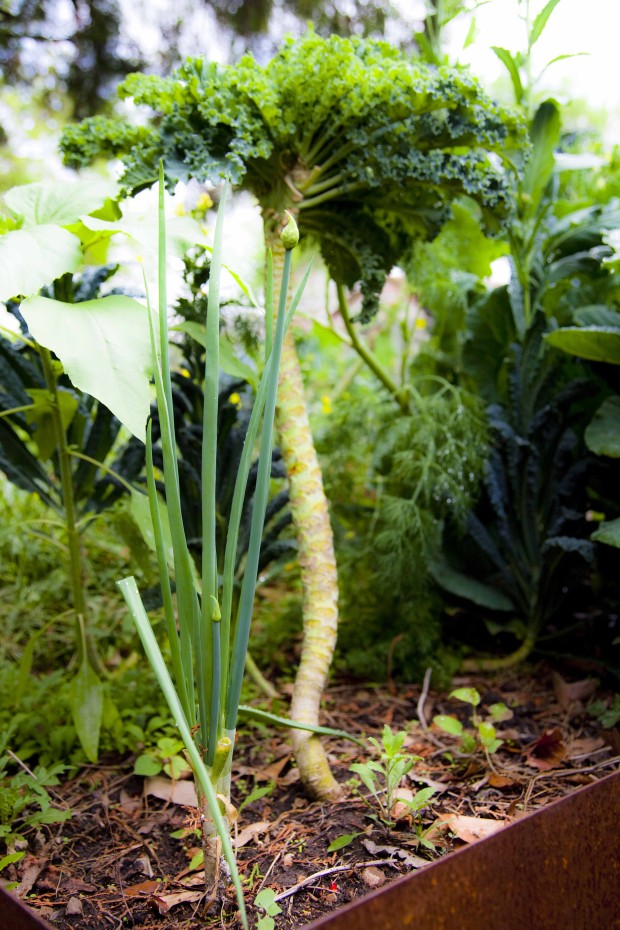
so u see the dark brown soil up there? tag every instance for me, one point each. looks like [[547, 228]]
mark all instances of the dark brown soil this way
[[114, 863]]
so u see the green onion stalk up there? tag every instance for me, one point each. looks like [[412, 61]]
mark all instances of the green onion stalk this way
[[208, 639]]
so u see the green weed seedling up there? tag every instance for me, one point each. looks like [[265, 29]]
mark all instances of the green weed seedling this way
[[25, 801], [265, 902], [483, 734], [382, 777], [166, 756], [607, 713]]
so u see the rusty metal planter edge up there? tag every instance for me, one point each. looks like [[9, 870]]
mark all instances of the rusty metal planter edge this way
[[555, 869]]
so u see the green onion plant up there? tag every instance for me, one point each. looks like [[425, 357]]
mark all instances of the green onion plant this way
[[208, 644]]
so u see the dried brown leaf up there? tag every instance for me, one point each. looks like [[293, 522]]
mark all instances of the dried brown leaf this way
[[568, 693], [471, 829], [176, 792]]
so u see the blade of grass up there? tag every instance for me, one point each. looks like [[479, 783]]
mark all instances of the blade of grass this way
[[133, 600]]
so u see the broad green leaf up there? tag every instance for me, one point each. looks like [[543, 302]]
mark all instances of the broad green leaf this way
[[176, 767], [341, 841], [499, 712], [448, 724], [147, 766], [597, 315], [487, 733], [31, 258], [603, 434], [41, 414], [468, 695], [266, 900], [104, 348], [469, 588], [596, 343], [50, 815], [229, 361], [545, 135], [182, 232], [541, 21], [366, 771], [11, 858], [608, 533], [419, 800], [512, 67], [57, 202], [232, 364], [87, 708]]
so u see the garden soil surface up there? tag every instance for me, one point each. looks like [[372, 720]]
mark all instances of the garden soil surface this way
[[115, 863]]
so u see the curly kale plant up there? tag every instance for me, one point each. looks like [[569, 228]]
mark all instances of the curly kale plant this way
[[368, 144]]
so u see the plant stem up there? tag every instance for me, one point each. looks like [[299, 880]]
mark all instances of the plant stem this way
[[85, 648], [369, 357], [503, 662], [317, 560]]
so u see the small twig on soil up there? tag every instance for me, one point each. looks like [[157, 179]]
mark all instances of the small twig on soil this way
[[270, 869], [336, 868], [553, 773], [423, 697]]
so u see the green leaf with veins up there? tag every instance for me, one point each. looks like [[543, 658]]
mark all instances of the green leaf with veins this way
[[104, 347]]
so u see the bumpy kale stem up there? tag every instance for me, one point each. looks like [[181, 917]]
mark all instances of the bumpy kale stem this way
[[317, 561]]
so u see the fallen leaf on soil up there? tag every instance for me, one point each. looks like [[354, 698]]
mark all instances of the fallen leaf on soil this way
[[413, 861], [500, 781], [290, 778], [400, 808], [585, 746], [575, 691], [74, 885], [373, 877], [471, 829], [177, 792], [143, 864], [548, 752], [164, 902], [140, 890], [272, 772], [74, 907], [248, 833], [31, 868], [129, 803]]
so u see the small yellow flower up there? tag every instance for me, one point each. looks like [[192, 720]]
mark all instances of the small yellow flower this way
[[420, 323], [326, 404], [235, 400], [204, 202]]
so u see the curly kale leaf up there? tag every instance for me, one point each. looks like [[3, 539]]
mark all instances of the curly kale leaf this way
[[363, 140]]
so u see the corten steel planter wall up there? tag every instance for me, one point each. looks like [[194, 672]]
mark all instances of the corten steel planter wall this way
[[556, 869], [16, 916]]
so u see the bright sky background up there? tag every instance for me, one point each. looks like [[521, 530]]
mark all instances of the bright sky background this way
[[591, 26]]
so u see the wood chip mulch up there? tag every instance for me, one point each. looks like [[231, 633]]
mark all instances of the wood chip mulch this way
[[115, 864]]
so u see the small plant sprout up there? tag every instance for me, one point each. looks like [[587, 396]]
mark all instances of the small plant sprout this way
[[383, 777], [483, 734], [266, 904]]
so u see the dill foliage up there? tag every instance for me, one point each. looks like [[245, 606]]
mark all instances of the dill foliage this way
[[369, 144]]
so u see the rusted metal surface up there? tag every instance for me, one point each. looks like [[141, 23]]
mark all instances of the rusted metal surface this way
[[556, 869], [16, 916]]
